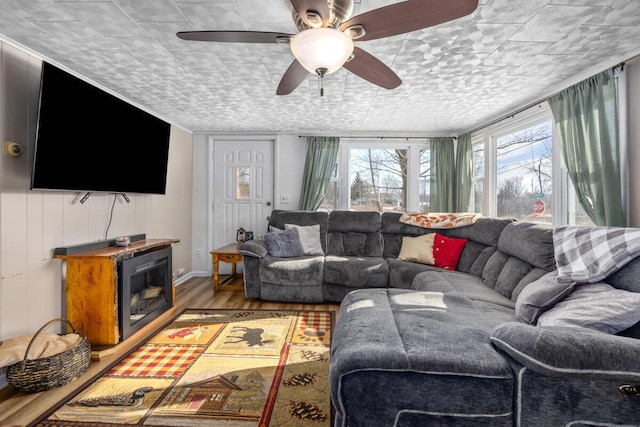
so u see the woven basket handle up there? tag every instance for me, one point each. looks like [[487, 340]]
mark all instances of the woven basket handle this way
[[57, 319]]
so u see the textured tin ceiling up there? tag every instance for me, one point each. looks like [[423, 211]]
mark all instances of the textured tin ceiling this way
[[456, 76]]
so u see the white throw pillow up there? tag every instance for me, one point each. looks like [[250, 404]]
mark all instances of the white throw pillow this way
[[597, 306], [418, 249], [309, 237]]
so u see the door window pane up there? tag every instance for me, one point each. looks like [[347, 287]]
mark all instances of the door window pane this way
[[524, 174], [243, 178]]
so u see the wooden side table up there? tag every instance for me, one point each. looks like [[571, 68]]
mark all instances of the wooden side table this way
[[229, 254]]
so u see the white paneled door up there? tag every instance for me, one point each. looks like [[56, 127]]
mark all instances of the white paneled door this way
[[243, 188]]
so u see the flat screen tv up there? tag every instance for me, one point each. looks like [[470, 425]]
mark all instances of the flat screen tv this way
[[91, 141]]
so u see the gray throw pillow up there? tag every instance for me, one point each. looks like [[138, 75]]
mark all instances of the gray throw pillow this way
[[539, 296], [284, 244], [309, 238], [597, 306]]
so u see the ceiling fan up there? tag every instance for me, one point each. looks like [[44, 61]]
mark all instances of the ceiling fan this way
[[327, 31]]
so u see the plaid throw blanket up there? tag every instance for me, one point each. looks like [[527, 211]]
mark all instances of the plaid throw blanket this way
[[591, 254]]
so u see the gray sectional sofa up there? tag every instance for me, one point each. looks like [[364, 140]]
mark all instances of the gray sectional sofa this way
[[416, 345]]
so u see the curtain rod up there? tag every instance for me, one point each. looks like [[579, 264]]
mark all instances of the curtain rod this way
[[378, 137], [533, 104]]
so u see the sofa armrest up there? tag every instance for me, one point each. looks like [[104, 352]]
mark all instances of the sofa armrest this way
[[569, 352], [254, 248]]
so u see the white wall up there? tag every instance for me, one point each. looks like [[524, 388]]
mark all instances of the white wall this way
[[33, 223], [290, 155]]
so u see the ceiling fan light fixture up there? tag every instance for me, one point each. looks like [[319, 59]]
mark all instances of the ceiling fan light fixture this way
[[355, 31], [313, 19], [318, 48]]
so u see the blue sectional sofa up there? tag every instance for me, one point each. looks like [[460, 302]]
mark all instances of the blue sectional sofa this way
[[504, 340]]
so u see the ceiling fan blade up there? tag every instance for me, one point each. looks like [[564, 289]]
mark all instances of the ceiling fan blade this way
[[235, 36], [319, 6], [292, 78], [372, 69], [409, 16]]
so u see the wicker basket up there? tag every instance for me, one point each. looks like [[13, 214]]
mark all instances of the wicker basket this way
[[53, 371]]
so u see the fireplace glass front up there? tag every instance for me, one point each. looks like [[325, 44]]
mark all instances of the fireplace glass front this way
[[145, 290]]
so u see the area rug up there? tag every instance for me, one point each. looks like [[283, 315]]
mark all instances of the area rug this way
[[230, 368]]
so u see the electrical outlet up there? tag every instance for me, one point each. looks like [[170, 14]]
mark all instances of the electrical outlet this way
[[284, 199], [198, 253]]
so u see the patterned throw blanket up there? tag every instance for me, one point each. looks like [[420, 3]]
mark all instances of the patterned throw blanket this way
[[591, 254], [439, 220]]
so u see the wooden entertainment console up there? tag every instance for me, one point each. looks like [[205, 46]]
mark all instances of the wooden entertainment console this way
[[91, 287]]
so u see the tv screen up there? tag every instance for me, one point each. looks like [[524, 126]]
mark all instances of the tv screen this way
[[91, 141]]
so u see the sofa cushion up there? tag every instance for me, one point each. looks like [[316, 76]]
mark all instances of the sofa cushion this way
[[483, 297], [354, 233], [356, 272], [398, 351], [300, 271], [402, 273], [418, 249], [512, 272], [354, 244], [447, 250], [569, 352], [479, 261], [530, 242], [279, 218], [309, 238], [354, 222], [284, 244], [540, 296], [596, 306]]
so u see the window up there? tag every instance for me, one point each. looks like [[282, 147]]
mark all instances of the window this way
[[425, 181], [523, 173], [331, 199], [477, 201], [518, 172], [379, 176], [378, 179]]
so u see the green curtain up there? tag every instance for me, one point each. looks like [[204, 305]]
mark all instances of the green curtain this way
[[586, 117], [321, 158], [442, 176], [464, 173]]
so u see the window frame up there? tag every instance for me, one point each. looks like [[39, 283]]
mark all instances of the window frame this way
[[413, 147], [489, 136]]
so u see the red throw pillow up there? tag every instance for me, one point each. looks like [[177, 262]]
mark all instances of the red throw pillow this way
[[447, 250]]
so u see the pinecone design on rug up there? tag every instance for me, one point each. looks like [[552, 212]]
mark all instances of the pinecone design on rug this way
[[307, 411], [300, 380], [313, 355], [134, 400]]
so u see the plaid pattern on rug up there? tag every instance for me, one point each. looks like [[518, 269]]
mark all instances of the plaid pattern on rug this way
[[231, 368]]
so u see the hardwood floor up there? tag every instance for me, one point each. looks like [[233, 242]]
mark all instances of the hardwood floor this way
[[19, 409]]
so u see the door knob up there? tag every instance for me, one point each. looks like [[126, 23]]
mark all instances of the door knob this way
[[268, 203]]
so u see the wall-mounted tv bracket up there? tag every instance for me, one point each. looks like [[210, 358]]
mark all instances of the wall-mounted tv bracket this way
[[85, 197], [89, 193]]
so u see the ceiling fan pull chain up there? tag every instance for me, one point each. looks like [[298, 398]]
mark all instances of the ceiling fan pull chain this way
[[321, 73]]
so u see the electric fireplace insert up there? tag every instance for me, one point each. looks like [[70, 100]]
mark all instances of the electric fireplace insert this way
[[145, 290]]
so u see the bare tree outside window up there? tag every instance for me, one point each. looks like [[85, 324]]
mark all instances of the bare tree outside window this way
[[379, 178]]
